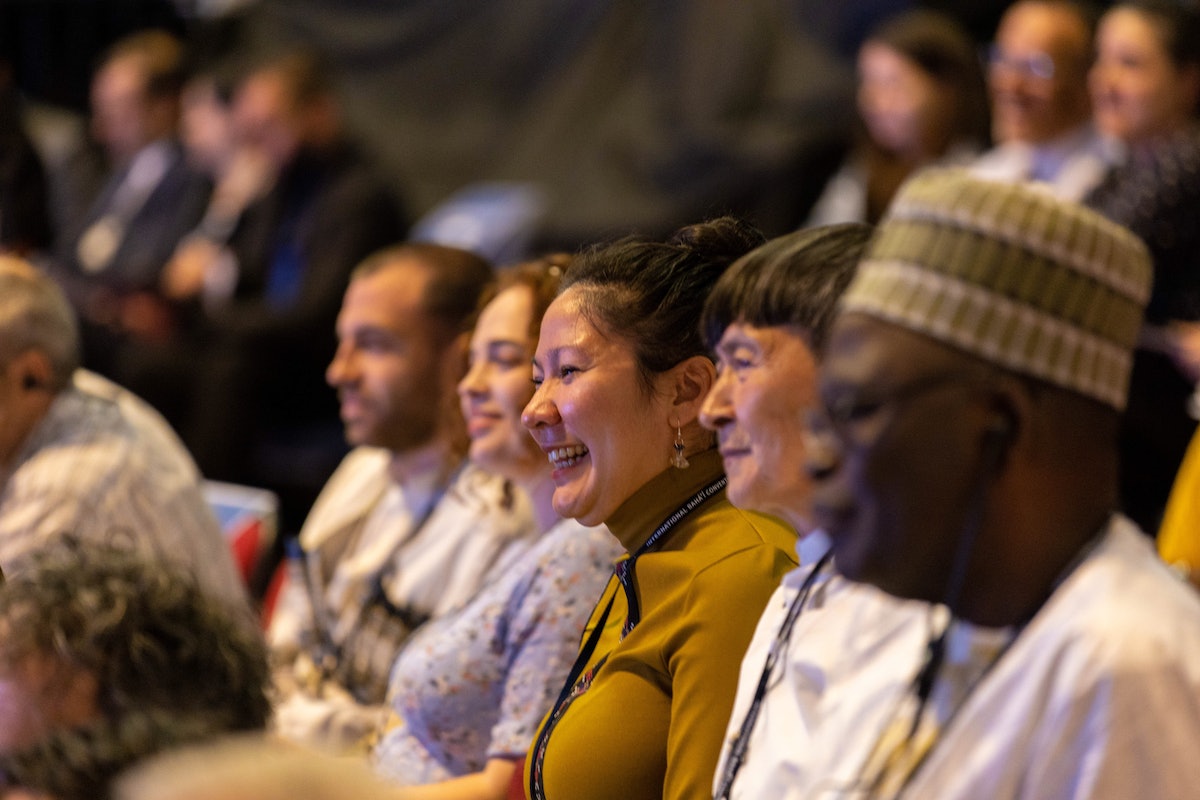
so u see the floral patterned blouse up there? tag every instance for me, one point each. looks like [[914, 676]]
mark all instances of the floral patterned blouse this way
[[475, 684]]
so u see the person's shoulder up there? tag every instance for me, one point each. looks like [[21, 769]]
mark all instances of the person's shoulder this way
[[357, 484], [489, 506], [1002, 161], [97, 419], [362, 463], [742, 530], [568, 543], [1123, 609], [742, 551]]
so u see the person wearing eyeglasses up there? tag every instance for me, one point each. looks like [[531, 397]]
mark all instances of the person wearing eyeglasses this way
[[1041, 112], [964, 457]]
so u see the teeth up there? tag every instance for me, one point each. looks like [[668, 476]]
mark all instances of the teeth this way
[[566, 456]]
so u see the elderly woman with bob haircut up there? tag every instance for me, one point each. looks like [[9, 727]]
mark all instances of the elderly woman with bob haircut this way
[[767, 320]]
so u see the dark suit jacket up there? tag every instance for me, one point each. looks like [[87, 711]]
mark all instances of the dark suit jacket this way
[[340, 212], [172, 210]]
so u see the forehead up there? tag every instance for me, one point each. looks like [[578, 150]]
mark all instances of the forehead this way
[[764, 337], [565, 325], [263, 96], [876, 57], [1049, 28], [392, 296], [1129, 23], [508, 314], [121, 76], [864, 350]]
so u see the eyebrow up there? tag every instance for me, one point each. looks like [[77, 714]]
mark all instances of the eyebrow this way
[[551, 356], [506, 343]]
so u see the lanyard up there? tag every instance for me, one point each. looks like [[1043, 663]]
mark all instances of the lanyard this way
[[328, 651], [737, 751], [922, 685], [577, 682]]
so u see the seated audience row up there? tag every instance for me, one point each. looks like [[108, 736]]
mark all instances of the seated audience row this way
[[932, 406], [918, 423], [208, 268]]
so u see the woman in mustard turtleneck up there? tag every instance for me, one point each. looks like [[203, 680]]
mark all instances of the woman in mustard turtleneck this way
[[622, 373]]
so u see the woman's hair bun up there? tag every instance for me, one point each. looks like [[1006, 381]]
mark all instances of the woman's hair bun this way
[[722, 238]]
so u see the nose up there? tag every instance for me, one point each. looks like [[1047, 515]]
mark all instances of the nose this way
[[717, 409], [1003, 77], [1099, 80], [540, 411], [822, 449], [342, 368], [473, 383]]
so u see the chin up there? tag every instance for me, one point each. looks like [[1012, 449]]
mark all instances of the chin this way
[[483, 456], [584, 514], [738, 495]]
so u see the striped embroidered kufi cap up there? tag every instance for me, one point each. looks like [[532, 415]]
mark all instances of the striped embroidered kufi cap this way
[[1012, 275]]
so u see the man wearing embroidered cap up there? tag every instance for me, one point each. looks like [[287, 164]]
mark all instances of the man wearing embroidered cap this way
[[966, 459]]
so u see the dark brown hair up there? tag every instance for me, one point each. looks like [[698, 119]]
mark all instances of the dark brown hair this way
[[944, 50], [652, 293], [794, 280]]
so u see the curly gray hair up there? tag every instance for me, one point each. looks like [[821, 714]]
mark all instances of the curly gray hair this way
[[171, 663]]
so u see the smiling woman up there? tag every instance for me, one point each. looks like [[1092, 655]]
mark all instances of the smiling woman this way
[[621, 373], [500, 658]]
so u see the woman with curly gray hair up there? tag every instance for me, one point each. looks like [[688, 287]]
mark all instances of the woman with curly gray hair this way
[[106, 658]]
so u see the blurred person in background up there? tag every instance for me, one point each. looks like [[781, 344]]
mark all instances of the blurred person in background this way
[[922, 100], [1041, 111], [110, 263], [1145, 92], [406, 528], [501, 658], [202, 274], [80, 454], [106, 658], [258, 394]]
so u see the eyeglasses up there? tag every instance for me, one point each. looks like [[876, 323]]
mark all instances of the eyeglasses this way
[[839, 414], [1034, 65]]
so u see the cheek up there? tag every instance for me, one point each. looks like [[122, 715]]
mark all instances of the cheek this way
[[22, 720], [513, 392]]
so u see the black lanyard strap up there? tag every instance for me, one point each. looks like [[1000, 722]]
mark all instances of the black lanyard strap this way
[[737, 750], [577, 681]]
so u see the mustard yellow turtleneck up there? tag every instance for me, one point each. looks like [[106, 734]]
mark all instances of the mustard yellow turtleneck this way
[[652, 723]]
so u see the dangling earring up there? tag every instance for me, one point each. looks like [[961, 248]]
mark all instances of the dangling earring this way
[[679, 461]]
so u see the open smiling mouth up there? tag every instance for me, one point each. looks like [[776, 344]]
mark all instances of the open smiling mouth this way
[[563, 457]]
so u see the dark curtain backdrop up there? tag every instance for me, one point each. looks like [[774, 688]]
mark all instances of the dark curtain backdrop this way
[[628, 114]]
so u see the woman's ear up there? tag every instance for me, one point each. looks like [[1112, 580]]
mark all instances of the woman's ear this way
[[691, 380]]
